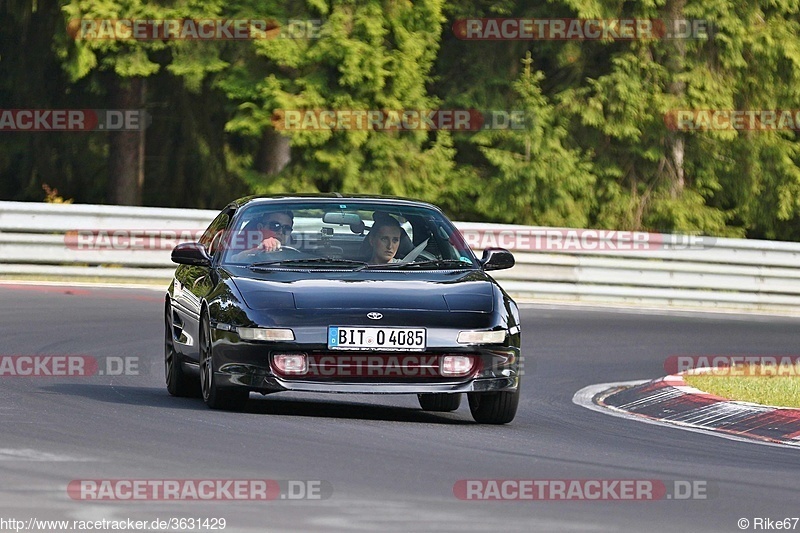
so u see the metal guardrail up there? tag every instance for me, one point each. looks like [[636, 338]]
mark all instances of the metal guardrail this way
[[35, 240], [39, 240]]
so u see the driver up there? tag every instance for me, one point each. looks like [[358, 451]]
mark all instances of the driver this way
[[275, 231]]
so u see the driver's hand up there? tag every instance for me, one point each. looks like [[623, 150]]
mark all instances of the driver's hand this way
[[270, 244]]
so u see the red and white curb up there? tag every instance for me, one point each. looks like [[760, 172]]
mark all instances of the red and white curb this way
[[669, 401]]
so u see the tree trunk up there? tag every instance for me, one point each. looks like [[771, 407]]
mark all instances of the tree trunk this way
[[678, 179], [274, 153], [675, 66], [126, 148]]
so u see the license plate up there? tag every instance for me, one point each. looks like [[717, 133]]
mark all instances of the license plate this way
[[356, 338]]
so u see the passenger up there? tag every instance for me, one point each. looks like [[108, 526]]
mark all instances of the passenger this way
[[384, 238]]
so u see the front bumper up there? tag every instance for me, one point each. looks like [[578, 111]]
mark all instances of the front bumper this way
[[273, 383], [249, 365]]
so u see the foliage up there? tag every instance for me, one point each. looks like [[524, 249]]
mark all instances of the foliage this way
[[597, 148], [51, 196]]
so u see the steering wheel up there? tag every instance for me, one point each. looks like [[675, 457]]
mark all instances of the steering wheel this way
[[288, 249]]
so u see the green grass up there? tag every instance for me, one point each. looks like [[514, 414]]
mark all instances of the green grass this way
[[760, 387]]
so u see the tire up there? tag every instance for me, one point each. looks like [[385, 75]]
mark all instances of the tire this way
[[179, 383], [439, 401], [493, 407], [228, 399]]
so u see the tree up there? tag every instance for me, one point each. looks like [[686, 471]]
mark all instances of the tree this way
[[369, 56], [699, 181], [120, 67], [534, 177]]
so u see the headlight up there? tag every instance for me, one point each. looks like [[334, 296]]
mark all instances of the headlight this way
[[264, 334], [481, 337]]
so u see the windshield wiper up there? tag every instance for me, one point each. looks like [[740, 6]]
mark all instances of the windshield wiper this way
[[321, 261], [442, 263], [449, 263]]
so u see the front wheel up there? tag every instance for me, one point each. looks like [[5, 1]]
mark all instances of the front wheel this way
[[493, 407], [215, 397], [439, 402]]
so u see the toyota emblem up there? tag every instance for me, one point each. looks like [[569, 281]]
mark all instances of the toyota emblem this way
[[374, 316]]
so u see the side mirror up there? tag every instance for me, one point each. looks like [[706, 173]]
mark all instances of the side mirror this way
[[191, 253], [497, 259]]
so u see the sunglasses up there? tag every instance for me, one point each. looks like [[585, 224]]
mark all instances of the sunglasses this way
[[277, 226]]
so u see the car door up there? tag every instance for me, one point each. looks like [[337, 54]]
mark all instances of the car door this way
[[194, 283]]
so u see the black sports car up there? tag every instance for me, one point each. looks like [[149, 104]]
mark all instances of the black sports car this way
[[356, 294]]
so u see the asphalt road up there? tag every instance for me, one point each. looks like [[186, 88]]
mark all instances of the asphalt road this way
[[391, 466]]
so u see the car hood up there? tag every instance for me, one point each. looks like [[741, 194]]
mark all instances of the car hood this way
[[471, 291]]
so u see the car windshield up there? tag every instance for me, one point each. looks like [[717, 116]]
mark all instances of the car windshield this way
[[344, 235]]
